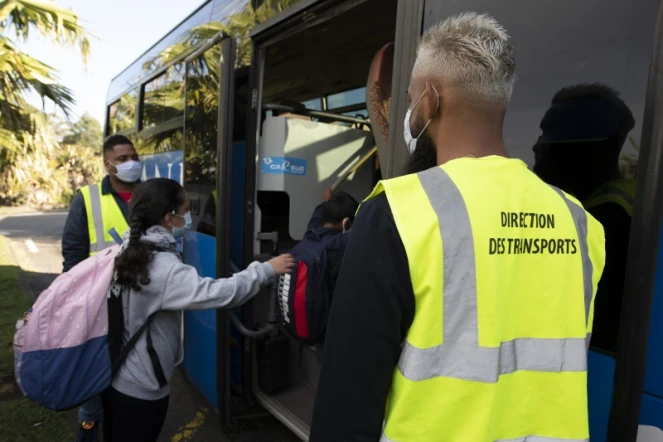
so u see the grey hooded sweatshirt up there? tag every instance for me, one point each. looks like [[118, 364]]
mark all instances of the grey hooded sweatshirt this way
[[174, 286]]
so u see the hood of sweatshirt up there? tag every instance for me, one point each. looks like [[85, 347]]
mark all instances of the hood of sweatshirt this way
[[159, 236]]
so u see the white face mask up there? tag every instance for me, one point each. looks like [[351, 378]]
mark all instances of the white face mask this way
[[179, 232], [407, 131], [129, 171]]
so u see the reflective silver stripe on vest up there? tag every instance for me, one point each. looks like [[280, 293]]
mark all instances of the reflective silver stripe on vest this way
[[615, 190], [460, 356], [541, 439], [98, 220], [486, 364], [384, 438], [580, 220]]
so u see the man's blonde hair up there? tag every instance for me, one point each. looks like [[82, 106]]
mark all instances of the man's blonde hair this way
[[471, 52]]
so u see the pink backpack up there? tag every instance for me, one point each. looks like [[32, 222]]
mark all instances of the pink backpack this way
[[62, 352]]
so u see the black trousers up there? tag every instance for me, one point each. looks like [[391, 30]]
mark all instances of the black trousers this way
[[127, 419]]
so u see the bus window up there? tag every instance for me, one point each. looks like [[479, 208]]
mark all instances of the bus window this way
[[347, 98], [202, 98], [122, 113], [163, 97], [315, 104]]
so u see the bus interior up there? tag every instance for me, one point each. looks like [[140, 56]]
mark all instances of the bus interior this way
[[332, 80]]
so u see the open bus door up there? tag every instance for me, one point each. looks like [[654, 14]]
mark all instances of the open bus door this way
[[209, 85], [223, 230]]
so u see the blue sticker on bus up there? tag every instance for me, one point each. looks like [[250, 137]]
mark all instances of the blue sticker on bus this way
[[284, 165], [164, 165]]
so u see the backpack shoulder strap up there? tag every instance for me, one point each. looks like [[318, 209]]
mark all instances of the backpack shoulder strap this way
[[123, 353]]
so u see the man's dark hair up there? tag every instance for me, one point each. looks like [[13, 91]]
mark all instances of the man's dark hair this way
[[115, 140], [587, 91], [340, 206]]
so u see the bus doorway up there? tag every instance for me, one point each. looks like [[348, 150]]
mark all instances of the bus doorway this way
[[309, 126]]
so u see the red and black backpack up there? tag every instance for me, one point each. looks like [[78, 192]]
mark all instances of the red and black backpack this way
[[304, 295]]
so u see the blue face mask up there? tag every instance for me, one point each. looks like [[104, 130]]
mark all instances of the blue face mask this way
[[179, 232]]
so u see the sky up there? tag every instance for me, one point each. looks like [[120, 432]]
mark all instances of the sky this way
[[122, 30]]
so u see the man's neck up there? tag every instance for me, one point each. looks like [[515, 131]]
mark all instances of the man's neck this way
[[470, 135], [120, 186]]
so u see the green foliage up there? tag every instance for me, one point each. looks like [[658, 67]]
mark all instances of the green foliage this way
[[48, 173], [34, 169], [85, 132], [21, 74]]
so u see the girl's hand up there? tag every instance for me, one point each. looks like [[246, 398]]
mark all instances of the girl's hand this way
[[282, 264]]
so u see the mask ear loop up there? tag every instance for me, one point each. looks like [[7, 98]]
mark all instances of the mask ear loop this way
[[436, 109]]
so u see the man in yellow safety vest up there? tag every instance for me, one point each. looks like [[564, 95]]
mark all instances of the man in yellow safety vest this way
[[464, 303], [583, 133], [98, 213]]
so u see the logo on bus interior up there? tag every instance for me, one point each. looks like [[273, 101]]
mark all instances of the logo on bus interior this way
[[283, 165]]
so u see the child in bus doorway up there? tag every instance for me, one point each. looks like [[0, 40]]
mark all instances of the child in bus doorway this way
[[153, 280], [334, 215]]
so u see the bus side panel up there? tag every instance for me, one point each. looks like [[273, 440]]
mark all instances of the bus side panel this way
[[651, 411], [654, 380], [601, 375], [238, 168], [200, 326]]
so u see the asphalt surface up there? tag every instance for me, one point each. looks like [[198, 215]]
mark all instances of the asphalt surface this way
[[35, 240]]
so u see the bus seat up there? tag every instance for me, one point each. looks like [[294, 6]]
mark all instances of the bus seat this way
[[301, 159], [378, 97]]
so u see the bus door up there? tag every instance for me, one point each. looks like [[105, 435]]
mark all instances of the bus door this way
[[209, 89]]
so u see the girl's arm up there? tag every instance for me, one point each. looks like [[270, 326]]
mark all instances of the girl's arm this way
[[186, 290]]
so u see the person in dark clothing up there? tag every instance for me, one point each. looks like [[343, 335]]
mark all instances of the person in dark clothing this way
[[334, 215], [94, 211], [583, 134]]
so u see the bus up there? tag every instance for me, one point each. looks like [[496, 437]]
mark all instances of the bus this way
[[258, 106]]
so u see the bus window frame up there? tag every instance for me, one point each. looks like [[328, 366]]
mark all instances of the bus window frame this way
[[128, 130], [140, 108], [223, 187]]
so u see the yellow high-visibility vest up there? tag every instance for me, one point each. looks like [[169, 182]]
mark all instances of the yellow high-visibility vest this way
[[103, 214], [504, 270], [620, 192]]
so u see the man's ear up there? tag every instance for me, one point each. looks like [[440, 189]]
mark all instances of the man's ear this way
[[110, 169], [347, 224]]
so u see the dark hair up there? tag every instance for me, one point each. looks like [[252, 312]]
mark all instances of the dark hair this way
[[340, 206], [116, 140], [150, 202], [599, 91]]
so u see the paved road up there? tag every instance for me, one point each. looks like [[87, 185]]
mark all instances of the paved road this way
[[35, 240]]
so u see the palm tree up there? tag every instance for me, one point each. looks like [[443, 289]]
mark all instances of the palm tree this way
[[22, 75]]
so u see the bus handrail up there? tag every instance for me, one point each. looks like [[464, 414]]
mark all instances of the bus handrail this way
[[272, 323], [316, 114]]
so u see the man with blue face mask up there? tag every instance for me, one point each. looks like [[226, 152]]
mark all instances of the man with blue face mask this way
[[98, 214]]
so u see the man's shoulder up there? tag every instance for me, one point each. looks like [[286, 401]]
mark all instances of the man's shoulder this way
[[378, 204]]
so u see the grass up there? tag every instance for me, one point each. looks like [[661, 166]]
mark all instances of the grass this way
[[21, 420]]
